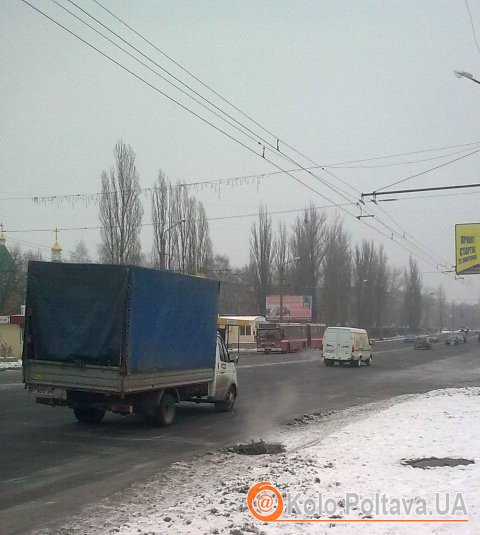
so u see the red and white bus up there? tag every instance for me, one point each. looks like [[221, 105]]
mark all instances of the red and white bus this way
[[289, 337], [315, 335], [281, 337]]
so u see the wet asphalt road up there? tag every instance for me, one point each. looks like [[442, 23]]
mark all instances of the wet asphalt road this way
[[50, 465]]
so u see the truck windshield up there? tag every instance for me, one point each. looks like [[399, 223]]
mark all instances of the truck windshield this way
[[269, 334]]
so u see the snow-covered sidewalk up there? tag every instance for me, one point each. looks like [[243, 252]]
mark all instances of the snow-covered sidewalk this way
[[10, 364], [334, 468]]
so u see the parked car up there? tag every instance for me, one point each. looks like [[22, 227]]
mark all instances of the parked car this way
[[433, 339], [453, 340], [422, 342], [409, 338]]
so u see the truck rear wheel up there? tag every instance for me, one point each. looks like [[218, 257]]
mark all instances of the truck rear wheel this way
[[89, 415], [166, 410]]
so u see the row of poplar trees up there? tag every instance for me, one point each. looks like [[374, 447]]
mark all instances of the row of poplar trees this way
[[349, 284]]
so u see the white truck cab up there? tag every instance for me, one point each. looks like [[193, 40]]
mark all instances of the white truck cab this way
[[346, 345]]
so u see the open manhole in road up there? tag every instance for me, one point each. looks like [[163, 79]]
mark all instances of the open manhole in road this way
[[257, 448], [432, 462]]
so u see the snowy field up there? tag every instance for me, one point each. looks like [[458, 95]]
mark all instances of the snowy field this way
[[339, 460]]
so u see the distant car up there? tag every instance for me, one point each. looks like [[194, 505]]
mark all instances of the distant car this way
[[422, 342], [433, 339], [409, 338], [453, 340]]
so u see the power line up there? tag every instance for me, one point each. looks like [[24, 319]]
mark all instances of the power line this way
[[155, 88], [428, 170], [185, 70], [255, 139], [473, 26], [401, 154], [216, 218], [172, 99], [342, 193], [337, 190], [420, 247], [230, 180], [249, 117], [394, 164]]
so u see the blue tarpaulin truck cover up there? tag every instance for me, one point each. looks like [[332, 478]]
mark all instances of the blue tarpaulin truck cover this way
[[137, 319]]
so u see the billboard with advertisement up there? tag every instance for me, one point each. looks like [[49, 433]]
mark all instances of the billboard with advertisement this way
[[467, 256], [295, 308]]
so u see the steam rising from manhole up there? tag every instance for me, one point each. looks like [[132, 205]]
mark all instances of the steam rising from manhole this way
[[431, 462], [257, 448]]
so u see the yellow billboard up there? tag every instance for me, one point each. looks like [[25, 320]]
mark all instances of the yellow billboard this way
[[467, 248]]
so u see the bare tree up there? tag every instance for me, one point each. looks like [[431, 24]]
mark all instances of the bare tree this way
[[363, 268], [441, 307], [413, 296], [181, 234], [380, 289], [394, 310], [261, 257], [308, 244], [204, 252], [12, 280], [121, 211], [370, 278], [337, 268], [160, 208], [80, 254], [280, 256]]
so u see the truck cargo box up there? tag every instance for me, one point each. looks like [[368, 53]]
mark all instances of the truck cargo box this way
[[137, 320]]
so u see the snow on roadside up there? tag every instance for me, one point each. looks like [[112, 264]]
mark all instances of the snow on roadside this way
[[364, 455], [10, 365]]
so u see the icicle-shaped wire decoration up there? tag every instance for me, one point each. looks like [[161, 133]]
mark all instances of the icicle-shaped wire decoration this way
[[201, 185]]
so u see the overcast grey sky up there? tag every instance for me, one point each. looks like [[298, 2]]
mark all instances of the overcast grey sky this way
[[338, 80]]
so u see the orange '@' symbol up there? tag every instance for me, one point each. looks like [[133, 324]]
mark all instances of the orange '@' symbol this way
[[265, 502]]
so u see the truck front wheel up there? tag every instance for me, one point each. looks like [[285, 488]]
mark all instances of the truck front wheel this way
[[89, 415], [229, 403]]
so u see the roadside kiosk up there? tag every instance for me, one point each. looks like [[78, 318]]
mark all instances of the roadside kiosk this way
[[228, 327]]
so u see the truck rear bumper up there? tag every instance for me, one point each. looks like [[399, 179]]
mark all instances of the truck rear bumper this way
[[104, 379]]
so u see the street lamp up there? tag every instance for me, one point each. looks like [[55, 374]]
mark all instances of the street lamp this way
[[164, 233], [463, 74], [281, 285]]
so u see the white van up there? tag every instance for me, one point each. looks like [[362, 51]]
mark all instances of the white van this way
[[346, 344]]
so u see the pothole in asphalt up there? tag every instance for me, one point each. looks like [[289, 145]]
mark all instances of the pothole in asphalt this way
[[257, 448], [431, 462]]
